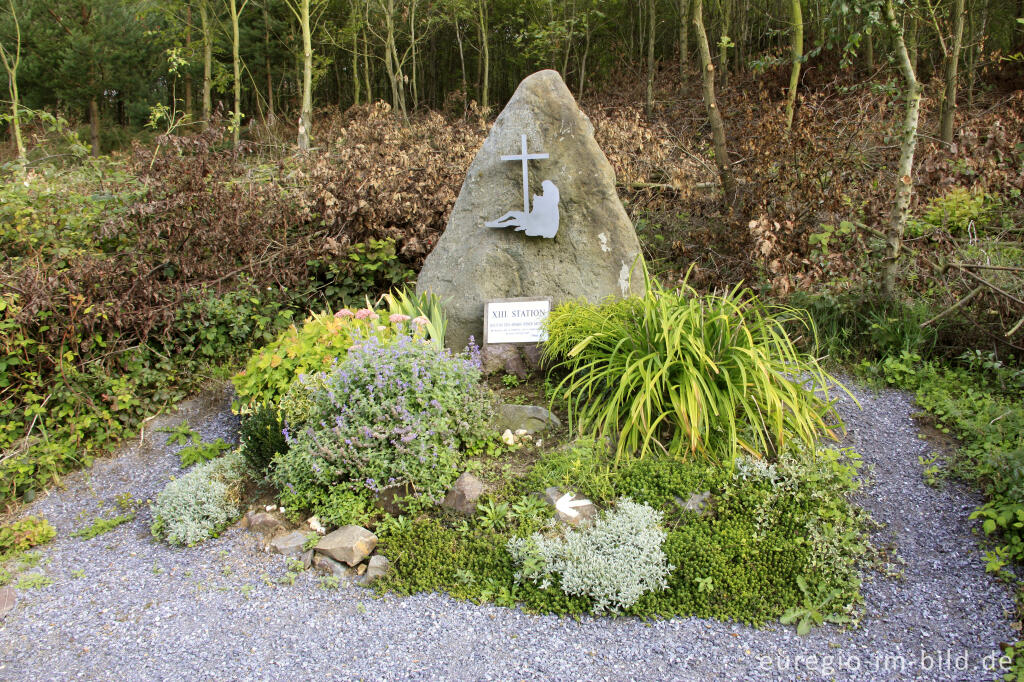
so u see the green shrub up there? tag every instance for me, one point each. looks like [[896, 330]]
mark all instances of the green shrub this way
[[372, 266], [25, 534], [953, 211], [677, 372], [341, 507], [202, 452], [322, 340], [613, 562], [201, 503], [262, 437], [388, 414]]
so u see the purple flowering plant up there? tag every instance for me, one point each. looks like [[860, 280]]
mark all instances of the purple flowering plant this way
[[392, 412]]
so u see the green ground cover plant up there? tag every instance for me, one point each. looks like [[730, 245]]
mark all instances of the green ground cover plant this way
[[778, 532], [100, 526], [202, 503], [687, 374]]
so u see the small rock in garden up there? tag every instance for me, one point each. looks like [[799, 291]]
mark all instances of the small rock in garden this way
[[377, 567], [387, 499], [699, 503], [502, 357], [314, 524], [289, 544], [8, 599], [360, 569], [508, 437], [348, 544], [326, 564], [263, 522], [464, 493], [569, 508], [527, 418]]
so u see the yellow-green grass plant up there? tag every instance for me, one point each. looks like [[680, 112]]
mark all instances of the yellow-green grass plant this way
[[685, 374]]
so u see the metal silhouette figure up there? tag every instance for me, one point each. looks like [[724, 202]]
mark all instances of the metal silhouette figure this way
[[542, 220]]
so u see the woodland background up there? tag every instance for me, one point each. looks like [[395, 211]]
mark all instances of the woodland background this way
[[184, 178]]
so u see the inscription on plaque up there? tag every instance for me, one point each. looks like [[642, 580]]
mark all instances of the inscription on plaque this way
[[515, 320]]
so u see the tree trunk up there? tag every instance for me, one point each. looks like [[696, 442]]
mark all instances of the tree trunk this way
[[583, 60], [485, 54], [11, 63], [271, 115], [236, 65], [908, 144], [723, 43], [204, 20], [94, 127], [911, 40], [367, 76], [188, 71], [462, 59], [684, 37], [869, 53], [714, 115], [412, 49], [355, 68], [651, 25], [950, 75], [797, 56], [306, 115]]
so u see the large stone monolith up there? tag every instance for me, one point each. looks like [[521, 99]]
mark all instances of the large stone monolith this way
[[593, 255]]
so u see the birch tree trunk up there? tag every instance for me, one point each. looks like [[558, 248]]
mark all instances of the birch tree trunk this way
[[950, 76], [11, 62], [94, 127], [485, 54], [714, 115], [651, 24], [204, 19], [271, 116], [908, 144], [797, 56], [236, 64], [306, 116], [188, 71]]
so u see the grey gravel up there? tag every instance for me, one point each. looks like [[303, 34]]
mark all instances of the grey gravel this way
[[146, 611]]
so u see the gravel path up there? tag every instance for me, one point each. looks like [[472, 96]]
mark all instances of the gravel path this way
[[124, 607]]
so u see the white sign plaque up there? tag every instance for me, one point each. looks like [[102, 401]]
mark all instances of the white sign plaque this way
[[515, 320]]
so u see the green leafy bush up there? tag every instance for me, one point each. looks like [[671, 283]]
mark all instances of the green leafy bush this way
[[341, 507], [322, 340], [677, 372], [370, 266], [25, 534], [953, 211], [262, 436], [202, 452], [613, 562], [201, 503], [388, 414]]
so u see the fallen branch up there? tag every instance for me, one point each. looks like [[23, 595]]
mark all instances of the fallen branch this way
[[1009, 268], [956, 306]]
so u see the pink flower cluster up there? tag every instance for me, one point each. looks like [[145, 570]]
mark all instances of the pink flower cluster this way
[[343, 313], [366, 314], [398, 318]]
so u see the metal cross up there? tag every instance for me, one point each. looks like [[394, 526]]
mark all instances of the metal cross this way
[[526, 177]]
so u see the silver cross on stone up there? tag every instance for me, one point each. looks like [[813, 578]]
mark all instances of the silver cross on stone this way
[[540, 221], [526, 157]]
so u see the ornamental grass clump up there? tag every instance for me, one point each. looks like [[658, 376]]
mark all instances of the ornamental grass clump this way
[[687, 374], [389, 414]]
